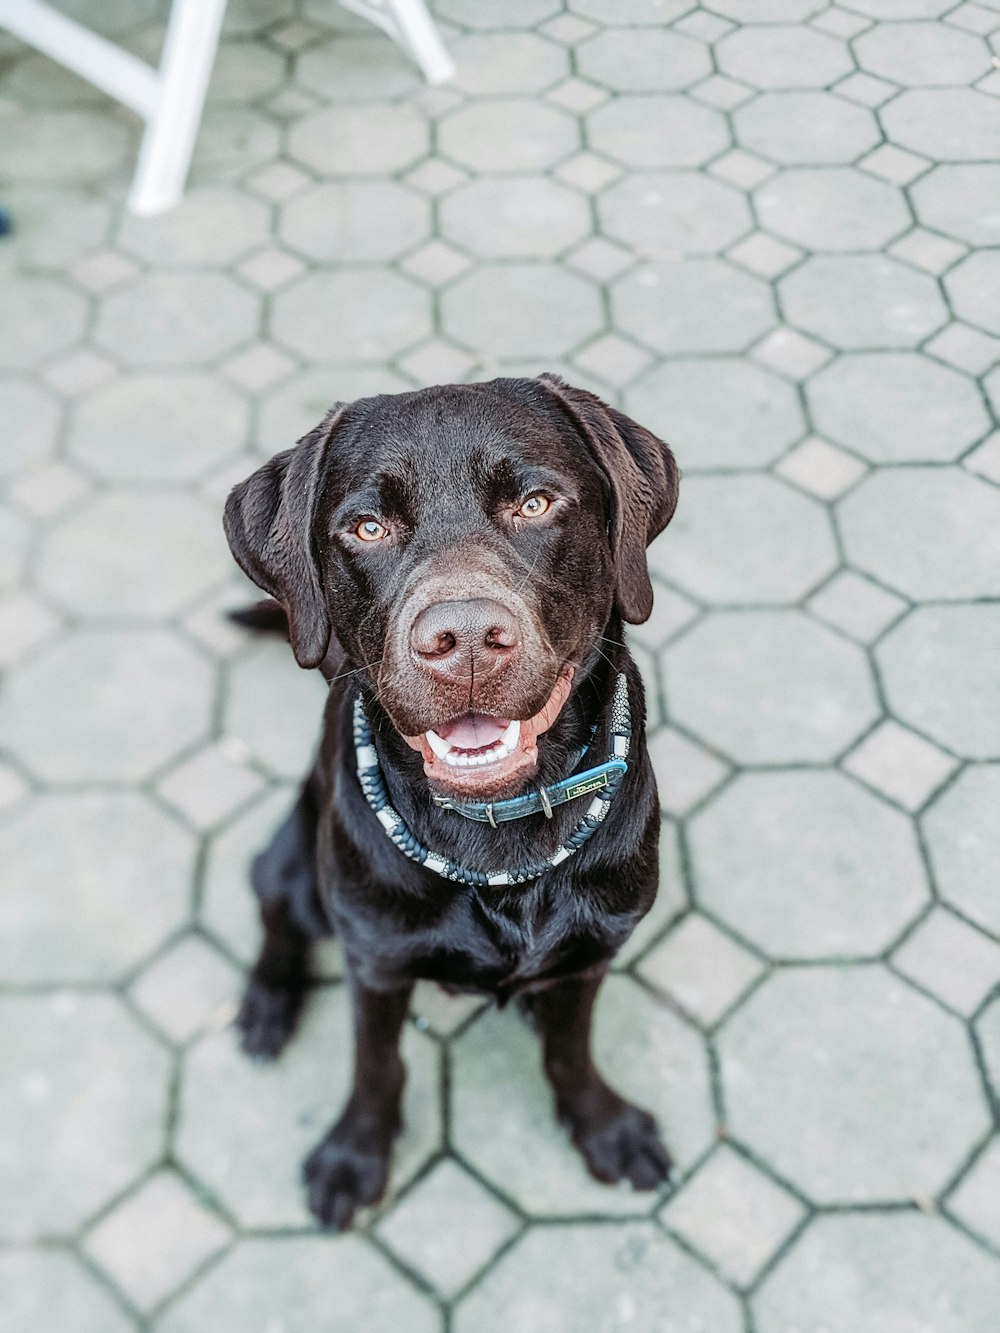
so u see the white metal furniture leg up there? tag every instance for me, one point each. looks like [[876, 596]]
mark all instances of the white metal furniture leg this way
[[410, 25], [185, 69]]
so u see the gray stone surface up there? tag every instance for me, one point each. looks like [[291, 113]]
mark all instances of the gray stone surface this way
[[804, 694], [75, 1126], [771, 860], [853, 1085], [746, 540], [866, 1274], [964, 843], [944, 541], [897, 407], [89, 884], [571, 1277], [938, 668], [702, 212], [299, 1284]]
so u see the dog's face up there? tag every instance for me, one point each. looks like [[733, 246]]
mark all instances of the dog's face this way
[[467, 544]]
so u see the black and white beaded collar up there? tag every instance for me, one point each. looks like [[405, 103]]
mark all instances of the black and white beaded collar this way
[[605, 780]]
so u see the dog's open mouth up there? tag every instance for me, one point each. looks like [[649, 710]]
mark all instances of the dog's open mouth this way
[[479, 755]]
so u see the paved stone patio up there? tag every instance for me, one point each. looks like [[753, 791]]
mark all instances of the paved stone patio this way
[[770, 229]]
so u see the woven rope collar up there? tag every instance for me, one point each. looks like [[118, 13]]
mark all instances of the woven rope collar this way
[[606, 780]]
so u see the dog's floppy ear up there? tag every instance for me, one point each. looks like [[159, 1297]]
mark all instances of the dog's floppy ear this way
[[644, 479], [269, 525]]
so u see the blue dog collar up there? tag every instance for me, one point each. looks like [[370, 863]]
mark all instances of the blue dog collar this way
[[603, 781]]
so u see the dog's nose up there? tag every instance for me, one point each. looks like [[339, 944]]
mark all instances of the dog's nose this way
[[475, 636]]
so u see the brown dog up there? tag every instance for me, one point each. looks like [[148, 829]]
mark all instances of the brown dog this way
[[482, 812]]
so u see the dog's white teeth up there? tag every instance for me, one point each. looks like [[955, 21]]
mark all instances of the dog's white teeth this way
[[441, 748], [511, 736]]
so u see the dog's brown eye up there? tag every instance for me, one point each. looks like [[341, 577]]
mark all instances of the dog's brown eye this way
[[534, 507], [369, 530]]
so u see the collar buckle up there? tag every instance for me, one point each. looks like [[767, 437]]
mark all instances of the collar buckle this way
[[543, 796]]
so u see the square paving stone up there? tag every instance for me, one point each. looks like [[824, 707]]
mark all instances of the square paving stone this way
[[448, 1227], [933, 253], [155, 1239], [733, 1214], [189, 987], [985, 461], [951, 959], [702, 968], [671, 899], [976, 1201], [685, 771], [900, 764], [820, 468], [211, 785]]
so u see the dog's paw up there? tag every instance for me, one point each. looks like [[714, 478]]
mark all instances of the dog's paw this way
[[342, 1174], [267, 1018], [626, 1147]]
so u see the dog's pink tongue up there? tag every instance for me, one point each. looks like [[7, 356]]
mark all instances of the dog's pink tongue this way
[[473, 731]]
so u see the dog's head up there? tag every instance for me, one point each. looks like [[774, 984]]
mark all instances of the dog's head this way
[[468, 545]]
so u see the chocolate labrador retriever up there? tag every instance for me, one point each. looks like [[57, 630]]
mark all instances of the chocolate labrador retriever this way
[[482, 811]]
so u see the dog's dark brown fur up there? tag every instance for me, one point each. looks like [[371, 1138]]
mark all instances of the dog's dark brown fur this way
[[444, 469]]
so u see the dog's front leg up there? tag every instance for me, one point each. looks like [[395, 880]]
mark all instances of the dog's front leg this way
[[618, 1141], [350, 1167]]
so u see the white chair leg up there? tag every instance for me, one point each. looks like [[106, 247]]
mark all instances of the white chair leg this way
[[185, 69], [409, 23]]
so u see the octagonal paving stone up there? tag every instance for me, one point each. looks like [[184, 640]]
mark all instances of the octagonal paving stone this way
[[51, 1290], [962, 832], [363, 140], [666, 130], [637, 60], [769, 687], [962, 201], [508, 135], [939, 669], [680, 212], [169, 427], [274, 707], [14, 537], [718, 412], [831, 208], [944, 539], [297, 1284], [176, 319], [974, 288], [852, 1084], [696, 305], [116, 704], [89, 884], [805, 128], [862, 301], [521, 310], [946, 124], [566, 1278], [897, 407], [41, 317], [783, 56], [866, 1273], [746, 538], [771, 859], [353, 67], [208, 226], [491, 64], [346, 314], [645, 1051], [351, 221], [244, 1127], [63, 146], [55, 227], [146, 572], [916, 54], [30, 419], [75, 1126], [514, 217]]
